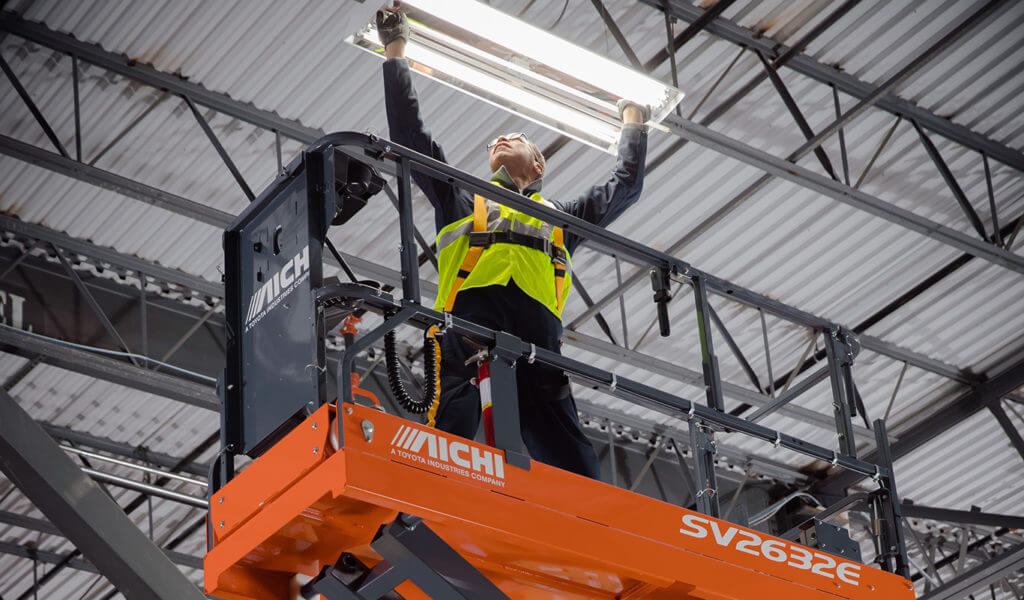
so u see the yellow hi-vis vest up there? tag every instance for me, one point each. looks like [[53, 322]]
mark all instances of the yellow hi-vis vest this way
[[507, 244]]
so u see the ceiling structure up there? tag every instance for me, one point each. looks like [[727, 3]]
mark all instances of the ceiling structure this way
[[132, 133]]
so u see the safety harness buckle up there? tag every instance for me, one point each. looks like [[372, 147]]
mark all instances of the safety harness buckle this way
[[558, 255], [481, 238]]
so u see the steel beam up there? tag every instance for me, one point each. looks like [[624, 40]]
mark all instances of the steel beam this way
[[110, 256], [828, 74], [150, 195], [79, 564], [991, 570], [96, 308], [42, 526], [890, 85], [175, 84], [111, 181], [734, 347], [842, 138], [969, 517], [836, 190], [785, 398], [79, 438], [108, 369], [83, 511]]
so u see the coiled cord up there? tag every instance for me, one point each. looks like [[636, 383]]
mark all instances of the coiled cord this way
[[432, 382]]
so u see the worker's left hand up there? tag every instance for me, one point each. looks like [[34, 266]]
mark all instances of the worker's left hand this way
[[632, 112]]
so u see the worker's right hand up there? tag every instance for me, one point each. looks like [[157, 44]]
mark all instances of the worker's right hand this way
[[633, 112], [393, 29]]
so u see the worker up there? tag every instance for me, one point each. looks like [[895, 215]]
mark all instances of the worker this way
[[521, 275]]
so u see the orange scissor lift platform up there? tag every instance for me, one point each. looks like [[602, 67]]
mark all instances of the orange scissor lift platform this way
[[537, 533]]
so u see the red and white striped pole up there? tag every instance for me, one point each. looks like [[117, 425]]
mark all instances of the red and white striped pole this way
[[483, 377]]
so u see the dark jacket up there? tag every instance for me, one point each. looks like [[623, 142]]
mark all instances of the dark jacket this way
[[600, 205]]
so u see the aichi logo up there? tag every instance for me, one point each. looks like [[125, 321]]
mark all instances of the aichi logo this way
[[280, 284], [450, 455]]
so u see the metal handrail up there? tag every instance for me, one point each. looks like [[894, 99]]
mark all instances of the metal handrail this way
[[407, 312]]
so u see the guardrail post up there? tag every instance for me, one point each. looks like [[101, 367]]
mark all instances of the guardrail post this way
[[889, 529], [407, 249], [505, 399], [702, 443], [840, 362], [709, 362]]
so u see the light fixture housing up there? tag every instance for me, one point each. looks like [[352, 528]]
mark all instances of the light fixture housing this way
[[523, 69]]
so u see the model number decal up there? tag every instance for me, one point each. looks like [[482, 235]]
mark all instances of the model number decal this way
[[778, 551]]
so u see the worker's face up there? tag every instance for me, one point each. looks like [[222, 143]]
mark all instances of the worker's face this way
[[514, 154]]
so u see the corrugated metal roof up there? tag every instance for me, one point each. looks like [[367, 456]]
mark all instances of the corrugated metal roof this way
[[784, 241]]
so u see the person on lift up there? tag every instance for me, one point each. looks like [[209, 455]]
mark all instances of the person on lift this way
[[504, 269]]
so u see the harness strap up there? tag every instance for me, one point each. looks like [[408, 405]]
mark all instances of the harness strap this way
[[473, 255], [559, 265], [488, 238]]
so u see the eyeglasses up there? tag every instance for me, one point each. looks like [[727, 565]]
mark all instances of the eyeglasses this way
[[508, 137]]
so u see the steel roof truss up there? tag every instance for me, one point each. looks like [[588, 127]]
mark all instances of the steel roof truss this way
[[988, 571], [80, 509], [175, 84], [804, 64], [43, 526]]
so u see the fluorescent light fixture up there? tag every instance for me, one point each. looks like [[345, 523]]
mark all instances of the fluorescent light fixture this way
[[523, 69]]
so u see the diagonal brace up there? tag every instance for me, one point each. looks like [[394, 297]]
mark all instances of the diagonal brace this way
[[93, 304], [32, 107], [1011, 431], [617, 34], [220, 149], [798, 115], [951, 181]]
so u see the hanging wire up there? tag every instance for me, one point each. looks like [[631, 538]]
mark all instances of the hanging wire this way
[[560, 15]]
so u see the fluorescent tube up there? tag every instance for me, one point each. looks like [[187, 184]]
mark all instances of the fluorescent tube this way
[[523, 69]]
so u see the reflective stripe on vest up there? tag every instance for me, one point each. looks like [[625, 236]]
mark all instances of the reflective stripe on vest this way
[[463, 266]]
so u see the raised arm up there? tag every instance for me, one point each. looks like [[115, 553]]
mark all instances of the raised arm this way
[[603, 203], [405, 125]]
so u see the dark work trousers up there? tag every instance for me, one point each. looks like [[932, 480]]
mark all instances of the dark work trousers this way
[[547, 412]]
